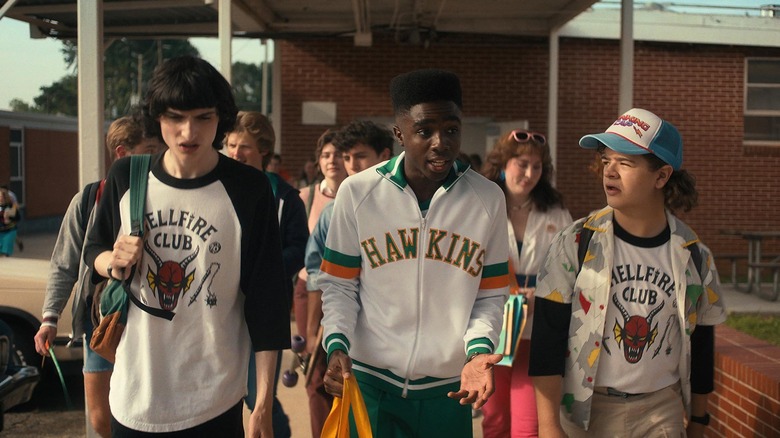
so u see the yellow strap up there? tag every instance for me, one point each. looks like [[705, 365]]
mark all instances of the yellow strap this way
[[337, 423]]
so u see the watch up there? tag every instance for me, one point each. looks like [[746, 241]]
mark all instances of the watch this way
[[472, 356], [704, 419]]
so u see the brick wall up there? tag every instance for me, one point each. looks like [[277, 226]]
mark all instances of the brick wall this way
[[746, 400], [699, 88]]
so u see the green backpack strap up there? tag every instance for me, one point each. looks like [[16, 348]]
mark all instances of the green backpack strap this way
[[139, 178]]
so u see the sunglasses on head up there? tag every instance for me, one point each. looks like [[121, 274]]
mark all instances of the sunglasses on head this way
[[523, 136]]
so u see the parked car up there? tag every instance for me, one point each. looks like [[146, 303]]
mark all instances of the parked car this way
[[22, 290], [17, 380]]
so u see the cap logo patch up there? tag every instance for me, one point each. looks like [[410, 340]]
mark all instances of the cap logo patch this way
[[634, 122]]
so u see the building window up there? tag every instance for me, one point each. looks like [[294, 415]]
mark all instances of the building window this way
[[17, 164], [762, 102]]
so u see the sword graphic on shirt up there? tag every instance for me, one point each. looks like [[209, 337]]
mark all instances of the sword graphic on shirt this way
[[211, 298]]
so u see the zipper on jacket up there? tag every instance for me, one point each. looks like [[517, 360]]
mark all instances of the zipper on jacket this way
[[420, 259]]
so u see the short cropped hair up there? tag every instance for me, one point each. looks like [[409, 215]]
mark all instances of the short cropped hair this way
[[259, 127], [420, 86], [187, 83], [366, 132], [124, 131]]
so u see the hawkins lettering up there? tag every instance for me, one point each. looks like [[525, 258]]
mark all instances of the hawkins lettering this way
[[443, 246]]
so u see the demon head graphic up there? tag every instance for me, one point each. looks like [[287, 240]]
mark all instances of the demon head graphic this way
[[171, 279], [636, 333]]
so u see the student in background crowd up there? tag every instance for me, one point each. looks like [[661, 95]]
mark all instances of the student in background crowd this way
[[252, 142], [315, 197], [520, 163], [363, 144]]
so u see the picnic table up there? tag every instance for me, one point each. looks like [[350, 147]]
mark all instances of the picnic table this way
[[756, 261]]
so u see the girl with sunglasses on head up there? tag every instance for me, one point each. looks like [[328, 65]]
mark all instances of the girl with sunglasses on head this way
[[520, 163]]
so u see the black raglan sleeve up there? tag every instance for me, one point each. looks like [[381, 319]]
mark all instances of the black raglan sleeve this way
[[263, 279], [108, 221], [295, 232]]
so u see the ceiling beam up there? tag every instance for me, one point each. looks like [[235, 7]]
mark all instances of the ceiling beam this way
[[110, 6]]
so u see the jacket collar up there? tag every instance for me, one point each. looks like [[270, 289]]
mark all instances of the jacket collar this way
[[601, 220], [393, 170]]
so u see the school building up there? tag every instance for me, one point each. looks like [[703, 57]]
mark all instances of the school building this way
[[717, 78]]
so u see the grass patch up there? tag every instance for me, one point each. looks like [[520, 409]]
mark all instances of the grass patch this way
[[764, 327]]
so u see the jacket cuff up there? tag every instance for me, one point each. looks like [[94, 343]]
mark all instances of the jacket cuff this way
[[334, 342], [479, 345]]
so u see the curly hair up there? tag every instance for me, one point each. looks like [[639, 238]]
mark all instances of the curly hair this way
[[680, 190], [543, 195]]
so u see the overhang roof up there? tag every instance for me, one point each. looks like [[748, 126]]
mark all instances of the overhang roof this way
[[286, 19]]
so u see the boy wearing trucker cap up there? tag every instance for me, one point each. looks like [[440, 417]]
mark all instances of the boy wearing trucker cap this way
[[623, 341]]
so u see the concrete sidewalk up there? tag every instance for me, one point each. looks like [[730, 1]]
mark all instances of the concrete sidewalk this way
[[295, 400], [39, 246]]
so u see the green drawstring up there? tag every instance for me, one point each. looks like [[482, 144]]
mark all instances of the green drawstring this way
[[68, 403]]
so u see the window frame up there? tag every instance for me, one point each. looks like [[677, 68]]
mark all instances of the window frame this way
[[746, 112]]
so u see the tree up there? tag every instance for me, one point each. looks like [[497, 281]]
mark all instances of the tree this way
[[128, 66], [60, 97], [20, 106], [248, 86]]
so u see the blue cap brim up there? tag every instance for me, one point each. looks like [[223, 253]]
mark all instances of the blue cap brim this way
[[612, 141]]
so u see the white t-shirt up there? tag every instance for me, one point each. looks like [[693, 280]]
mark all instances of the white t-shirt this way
[[641, 334]]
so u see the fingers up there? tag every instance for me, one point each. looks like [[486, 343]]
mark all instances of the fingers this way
[[43, 339], [334, 382], [126, 253]]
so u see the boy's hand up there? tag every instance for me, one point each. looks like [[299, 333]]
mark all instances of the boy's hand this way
[[476, 380], [339, 368]]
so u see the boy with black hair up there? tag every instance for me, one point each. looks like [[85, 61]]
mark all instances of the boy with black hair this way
[[211, 254], [630, 328], [412, 296]]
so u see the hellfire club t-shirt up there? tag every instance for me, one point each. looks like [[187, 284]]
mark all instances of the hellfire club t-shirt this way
[[641, 334]]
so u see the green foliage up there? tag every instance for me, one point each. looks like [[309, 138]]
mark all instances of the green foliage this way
[[127, 68], [60, 97], [248, 86], [764, 327], [20, 106]]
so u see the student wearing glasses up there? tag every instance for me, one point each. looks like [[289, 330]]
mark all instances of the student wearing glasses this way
[[520, 163]]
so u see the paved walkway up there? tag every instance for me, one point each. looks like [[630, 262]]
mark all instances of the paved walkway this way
[[39, 246], [295, 400]]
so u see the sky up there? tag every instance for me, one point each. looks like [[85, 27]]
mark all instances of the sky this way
[[39, 62]]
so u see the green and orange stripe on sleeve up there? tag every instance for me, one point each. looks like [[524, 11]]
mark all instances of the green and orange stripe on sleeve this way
[[340, 265], [495, 276]]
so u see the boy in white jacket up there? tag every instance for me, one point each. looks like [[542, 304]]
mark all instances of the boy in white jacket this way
[[414, 274]]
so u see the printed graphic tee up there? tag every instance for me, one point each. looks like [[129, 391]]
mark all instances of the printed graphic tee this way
[[641, 334]]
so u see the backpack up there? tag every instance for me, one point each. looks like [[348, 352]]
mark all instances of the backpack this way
[[587, 233], [92, 192]]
